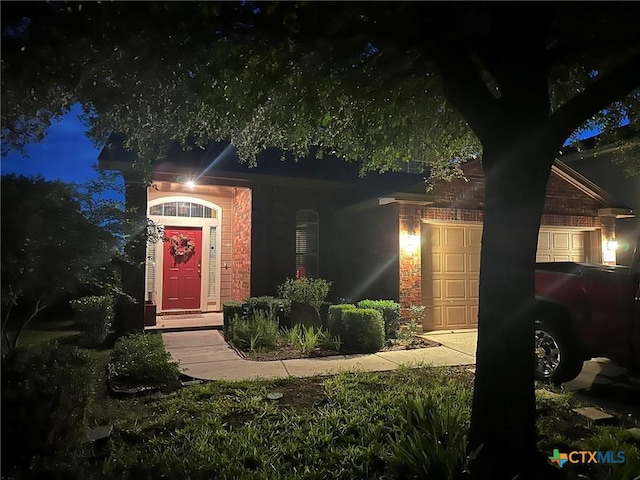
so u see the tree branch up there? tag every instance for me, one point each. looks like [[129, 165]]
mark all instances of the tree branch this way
[[609, 88], [40, 305], [464, 88], [6, 338], [12, 301]]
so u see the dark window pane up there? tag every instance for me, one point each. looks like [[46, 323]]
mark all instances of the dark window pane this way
[[184, 209], [170, 209], [197, 210], [155, 210]]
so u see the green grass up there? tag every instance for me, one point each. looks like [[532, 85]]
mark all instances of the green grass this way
[[347, 426], [353, 425], [49, 331]]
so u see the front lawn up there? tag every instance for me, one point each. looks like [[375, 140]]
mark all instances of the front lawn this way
[[348, 426], [359, 425]]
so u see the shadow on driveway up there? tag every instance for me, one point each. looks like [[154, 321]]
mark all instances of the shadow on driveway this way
[[609, 386]]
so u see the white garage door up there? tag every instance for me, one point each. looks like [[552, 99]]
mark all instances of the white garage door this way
[[451, 268], [561, 246]]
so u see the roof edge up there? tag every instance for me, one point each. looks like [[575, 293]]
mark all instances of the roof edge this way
[[583, 184]]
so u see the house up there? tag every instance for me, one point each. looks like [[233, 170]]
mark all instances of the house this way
[[597, 165], [237, 231]]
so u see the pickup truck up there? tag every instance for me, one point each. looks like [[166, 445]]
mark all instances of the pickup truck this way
[[585, 311]]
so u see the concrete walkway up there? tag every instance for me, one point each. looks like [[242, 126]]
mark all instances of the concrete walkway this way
[[205, 355]]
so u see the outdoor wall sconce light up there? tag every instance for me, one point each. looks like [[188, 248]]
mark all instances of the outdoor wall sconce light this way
[[409, 242], [190, 184], [609, 253]]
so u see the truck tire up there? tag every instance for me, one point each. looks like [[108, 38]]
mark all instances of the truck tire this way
[[557, 358]]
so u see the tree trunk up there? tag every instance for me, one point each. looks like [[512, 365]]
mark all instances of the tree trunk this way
[[503, 416]]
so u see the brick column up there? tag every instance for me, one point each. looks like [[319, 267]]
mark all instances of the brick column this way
[[410, 257], [241, 275]]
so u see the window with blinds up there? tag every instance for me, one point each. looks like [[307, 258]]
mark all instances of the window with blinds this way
[[151, 271], [306, 243]]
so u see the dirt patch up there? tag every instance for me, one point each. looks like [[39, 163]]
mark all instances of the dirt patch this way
[[304, 394], [287, 352]]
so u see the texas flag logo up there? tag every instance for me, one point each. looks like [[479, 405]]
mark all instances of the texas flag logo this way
[[559, 458]]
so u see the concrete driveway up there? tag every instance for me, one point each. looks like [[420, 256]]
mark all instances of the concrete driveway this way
[[601, 382], [463, 341]]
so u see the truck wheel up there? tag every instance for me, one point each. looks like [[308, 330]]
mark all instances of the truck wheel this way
[[557, 359]]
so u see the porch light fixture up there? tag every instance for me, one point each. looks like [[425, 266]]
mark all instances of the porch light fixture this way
[[188, 182], [409, 243], [609, 252]]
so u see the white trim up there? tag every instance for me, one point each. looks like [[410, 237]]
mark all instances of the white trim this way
[[449, 222], [542, 227], [204, 224]]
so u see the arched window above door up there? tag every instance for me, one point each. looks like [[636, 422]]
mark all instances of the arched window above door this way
[[182, 209]]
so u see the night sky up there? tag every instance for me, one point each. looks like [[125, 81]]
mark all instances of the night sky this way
[[65, 153]]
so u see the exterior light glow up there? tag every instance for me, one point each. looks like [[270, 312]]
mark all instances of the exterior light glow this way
[[190, 184], [409, 242], [609, 252]]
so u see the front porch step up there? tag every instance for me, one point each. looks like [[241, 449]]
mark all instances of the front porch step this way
[[182, 328], [181, 323]]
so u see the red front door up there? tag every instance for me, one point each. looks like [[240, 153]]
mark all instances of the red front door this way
[[181, 272]]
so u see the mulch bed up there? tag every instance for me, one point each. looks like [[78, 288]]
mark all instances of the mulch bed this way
[[286, 352]]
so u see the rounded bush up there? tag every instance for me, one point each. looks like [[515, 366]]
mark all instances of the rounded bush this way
[[141, 360], [390, 311], [334, 317], [362, 330]]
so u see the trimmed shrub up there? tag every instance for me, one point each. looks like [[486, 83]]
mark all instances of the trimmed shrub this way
[[311, 291], [258, 331], [45, 392], [266, 302], [229, 311], [390, 311], [95, 315], [280, 307], [334, 317], [362, 330], [140, 360]]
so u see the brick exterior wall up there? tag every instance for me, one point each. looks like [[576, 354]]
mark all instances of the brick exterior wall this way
[[358, 249], [566, 206], [241, 263], [365, 261]]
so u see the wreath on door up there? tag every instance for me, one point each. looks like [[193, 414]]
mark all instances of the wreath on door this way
[[182, 246]]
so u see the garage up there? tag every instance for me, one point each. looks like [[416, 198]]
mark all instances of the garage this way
[[450, 267]]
